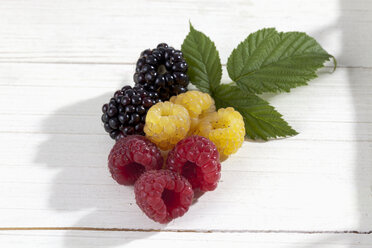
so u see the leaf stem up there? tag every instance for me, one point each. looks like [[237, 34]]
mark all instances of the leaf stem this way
[[334, 63]]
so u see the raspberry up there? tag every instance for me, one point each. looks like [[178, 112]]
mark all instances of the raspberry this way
[[162, 70], [197, 103], [224, 128], [166, 124], [197, 159], [131, 156], [126, 112], [163, 195]]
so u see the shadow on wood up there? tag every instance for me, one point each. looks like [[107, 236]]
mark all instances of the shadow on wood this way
[[83, 183]]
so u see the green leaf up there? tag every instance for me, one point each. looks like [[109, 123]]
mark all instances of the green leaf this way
[[205, 70], [261, 120], [268, 61]]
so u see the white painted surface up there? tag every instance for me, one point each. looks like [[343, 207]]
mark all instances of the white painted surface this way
[[60, 60], [79, 239]]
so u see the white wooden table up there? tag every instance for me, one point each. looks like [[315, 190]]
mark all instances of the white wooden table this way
[[60, 60]]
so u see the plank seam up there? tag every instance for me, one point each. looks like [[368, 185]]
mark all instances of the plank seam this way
[[181, 230], [133, 63]]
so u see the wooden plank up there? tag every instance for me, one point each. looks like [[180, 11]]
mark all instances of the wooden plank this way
[[66, 75], [83, 239], [301, 185], [82, 89], [97, 32], [88, 125]]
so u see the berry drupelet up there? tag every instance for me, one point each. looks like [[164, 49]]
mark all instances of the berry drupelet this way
[[125, 114], [162, 70]]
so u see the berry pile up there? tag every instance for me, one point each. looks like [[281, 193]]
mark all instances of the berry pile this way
[[125, 114], [162, 70], [165, 194], [224, 128], [159, 117]]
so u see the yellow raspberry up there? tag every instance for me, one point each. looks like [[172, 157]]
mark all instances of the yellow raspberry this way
[[197, 103], [224, 128], [166, 124]]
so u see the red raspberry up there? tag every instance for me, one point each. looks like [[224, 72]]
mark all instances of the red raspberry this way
[[131, 156], [163, 195], [197, 159]]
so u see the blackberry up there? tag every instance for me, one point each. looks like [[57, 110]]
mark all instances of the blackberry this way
[[125, 114], [162, 70]]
